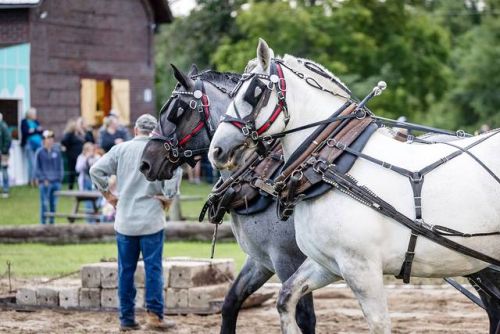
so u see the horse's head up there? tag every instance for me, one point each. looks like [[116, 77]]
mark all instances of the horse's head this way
[[258, 109], [187, 122]]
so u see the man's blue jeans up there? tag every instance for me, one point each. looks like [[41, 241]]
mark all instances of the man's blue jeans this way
[[129, 247], [48, 200]]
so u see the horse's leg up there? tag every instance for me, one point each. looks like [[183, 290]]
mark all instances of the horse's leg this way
[[251, 277], [489, 278], [365, 278], [309, 277], [305, 317]]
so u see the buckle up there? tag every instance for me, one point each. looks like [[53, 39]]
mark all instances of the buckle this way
[[175, 152], [166, 146], [254, 135], [245, 130], [188, 153], [297, 175], [320, 166]]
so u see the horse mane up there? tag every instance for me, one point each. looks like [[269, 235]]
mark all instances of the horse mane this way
[[226, 80]]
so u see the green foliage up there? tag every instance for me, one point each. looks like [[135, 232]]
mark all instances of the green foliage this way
[[439, 58]]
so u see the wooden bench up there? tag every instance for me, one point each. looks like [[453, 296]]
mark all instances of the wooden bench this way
[[79, 197]]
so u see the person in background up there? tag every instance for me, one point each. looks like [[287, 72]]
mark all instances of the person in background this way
[[31, 140], [139, 223], [111, 134], [48, 174], [5, 140], [85, 160], [75, 135]]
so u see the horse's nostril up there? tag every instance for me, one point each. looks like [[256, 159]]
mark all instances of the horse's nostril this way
[[144, 167], [217, 152]]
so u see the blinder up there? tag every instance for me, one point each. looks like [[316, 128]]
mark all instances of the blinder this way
[[254, 92]]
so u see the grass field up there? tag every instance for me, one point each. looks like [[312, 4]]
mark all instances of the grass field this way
[[32, 260], [23, 205]]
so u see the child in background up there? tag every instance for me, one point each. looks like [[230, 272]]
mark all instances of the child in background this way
[[83, 163]]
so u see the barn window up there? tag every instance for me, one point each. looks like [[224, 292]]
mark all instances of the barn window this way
[[99, 97]]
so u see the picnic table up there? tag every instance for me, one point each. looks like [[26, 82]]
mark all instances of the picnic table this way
[[79, 196]]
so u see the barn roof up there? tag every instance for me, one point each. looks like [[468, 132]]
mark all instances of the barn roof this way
[[161, 10], [19, 3]]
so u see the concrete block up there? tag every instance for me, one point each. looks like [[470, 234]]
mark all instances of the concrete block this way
[[193, 273], [91, 275], [176, 298], [140, 276], [26, 296], [109, 298], [90, 298], [47, 296], [109, 275], [69, 297], [200, 297]]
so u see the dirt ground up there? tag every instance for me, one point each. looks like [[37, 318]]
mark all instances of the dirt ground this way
[[426, 309]]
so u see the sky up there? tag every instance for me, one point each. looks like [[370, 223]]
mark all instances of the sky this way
[[181, 7]]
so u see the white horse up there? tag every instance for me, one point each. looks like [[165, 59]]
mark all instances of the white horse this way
[[346, 239]]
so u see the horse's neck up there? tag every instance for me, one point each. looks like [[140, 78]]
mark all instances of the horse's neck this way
[[306, 105]]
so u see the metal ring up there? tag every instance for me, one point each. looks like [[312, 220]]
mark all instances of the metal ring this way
[[166, 146], [193, 104], [331, 142], [188, 153], [460, 133], [362, 115], [298, 172]]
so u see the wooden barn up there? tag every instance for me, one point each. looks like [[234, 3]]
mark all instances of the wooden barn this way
[[71, 58]]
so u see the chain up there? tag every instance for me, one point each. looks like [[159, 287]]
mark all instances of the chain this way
[[312, 82]]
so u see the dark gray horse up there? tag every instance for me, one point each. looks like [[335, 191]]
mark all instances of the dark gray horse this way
[[268, 242]]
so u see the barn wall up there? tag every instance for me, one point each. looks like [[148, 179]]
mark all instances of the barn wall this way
[[14, 28], [109, 39]]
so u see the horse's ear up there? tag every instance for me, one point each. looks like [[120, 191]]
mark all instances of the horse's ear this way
[[194, 70], [183, 79], [264, 54]]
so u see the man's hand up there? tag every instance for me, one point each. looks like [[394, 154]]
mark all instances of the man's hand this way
[[110, 198], [165, 201]]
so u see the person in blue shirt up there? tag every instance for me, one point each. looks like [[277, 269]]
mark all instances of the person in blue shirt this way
[[31, 139], [48, 174], [5, 140]]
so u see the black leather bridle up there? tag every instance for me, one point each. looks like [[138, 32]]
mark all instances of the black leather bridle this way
[[199, 103], [257, 95]]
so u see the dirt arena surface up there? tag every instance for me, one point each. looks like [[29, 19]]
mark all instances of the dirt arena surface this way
[[413, 310]]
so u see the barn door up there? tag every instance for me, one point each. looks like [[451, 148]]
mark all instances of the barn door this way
[[88, 101], [120, 99]]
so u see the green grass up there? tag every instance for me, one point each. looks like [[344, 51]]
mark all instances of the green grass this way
[[23, 205], [35, 260]]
